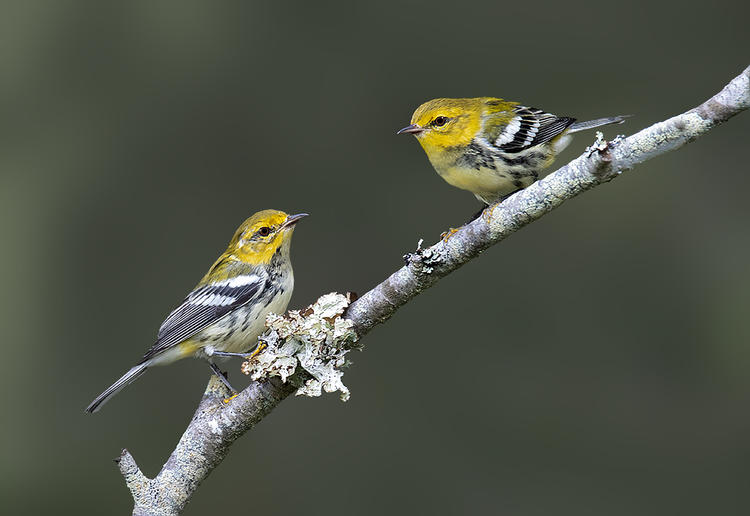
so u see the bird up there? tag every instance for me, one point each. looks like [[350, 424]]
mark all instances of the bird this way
[[226, 311], [490, 146]]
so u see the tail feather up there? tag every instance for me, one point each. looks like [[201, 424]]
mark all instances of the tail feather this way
[[116, 387], [590, 124]]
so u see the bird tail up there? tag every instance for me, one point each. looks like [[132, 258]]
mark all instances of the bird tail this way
[[582, 126], [116, 387]]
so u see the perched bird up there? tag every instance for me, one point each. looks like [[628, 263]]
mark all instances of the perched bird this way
[[226, 312], [489, 146]]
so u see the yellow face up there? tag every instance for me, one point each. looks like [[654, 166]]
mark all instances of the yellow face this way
[[446, 123], [254, 243], [260, 236]]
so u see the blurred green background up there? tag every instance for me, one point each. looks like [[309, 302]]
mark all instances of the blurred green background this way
[[594, 363]]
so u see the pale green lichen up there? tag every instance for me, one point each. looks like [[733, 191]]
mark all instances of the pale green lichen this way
[[599, 145], [315, 339]]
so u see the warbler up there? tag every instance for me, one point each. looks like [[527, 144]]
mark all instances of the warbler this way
[[226, 312], [490, 146]]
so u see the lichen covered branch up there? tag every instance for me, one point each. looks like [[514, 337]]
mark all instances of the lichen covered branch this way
[[315, 340], [298, 351]]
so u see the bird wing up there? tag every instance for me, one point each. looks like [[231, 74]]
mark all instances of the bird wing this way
[[530, 127], [204, 306]]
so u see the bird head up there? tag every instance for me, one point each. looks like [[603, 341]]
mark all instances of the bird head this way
[[262, 235], [446, 123]]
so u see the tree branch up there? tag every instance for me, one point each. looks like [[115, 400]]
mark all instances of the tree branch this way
[[205, 443], [216, 425]]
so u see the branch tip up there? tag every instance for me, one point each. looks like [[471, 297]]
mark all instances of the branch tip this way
[[134, 478]]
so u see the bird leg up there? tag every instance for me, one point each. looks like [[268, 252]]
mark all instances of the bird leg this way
[[488, 213], [447, 234], [477, 214], [247, 356], [222, 376]]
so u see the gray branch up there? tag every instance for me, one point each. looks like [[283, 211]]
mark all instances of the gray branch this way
[[205, 443], [216, 424]]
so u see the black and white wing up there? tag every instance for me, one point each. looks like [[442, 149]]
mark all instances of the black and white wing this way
[[204, 306], [530, 127]]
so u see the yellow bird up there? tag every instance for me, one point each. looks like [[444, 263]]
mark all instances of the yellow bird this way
[[226, 312], [490, 146]]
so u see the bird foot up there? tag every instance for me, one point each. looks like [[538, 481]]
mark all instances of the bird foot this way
[[487, 213], [230, 398], [257, 351], [247, 356], [447, 234]]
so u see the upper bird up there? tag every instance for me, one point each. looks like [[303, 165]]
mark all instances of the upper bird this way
[[226, 312], [490, 146]]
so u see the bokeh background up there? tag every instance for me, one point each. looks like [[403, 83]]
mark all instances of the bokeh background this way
[[595, 363]]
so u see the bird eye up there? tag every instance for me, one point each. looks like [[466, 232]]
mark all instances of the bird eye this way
[[264, 231], [440, 121]]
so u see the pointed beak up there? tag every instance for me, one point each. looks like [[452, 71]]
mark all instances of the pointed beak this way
[[411, 129], [291, 220]]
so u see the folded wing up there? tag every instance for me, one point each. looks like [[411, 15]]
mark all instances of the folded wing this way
[[530, 127], [204, 306]]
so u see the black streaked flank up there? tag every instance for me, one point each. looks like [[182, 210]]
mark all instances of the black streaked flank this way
[[532, 159], [475, 156]]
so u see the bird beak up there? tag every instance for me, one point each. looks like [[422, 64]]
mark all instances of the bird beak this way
[[411, 129], [291, 220]]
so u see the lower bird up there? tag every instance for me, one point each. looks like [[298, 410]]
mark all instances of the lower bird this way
[[490, 146], [226, 312]]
